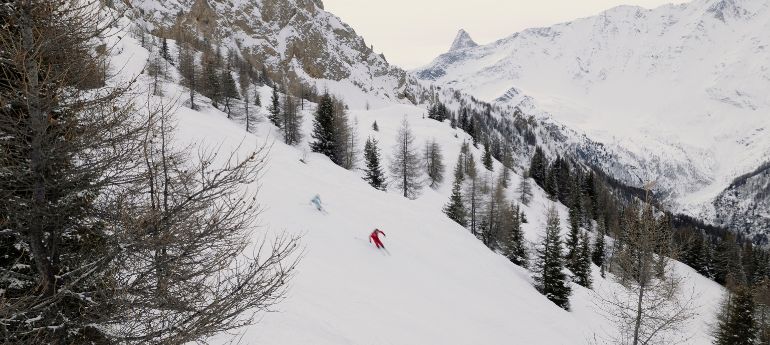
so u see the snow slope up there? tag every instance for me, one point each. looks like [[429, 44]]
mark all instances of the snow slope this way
[[438, 285], [678, 92]]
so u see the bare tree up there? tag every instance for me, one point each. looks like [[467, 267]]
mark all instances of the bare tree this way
[[405, 165], [186, 265], [65, 137], [649, 304], [434, 167]]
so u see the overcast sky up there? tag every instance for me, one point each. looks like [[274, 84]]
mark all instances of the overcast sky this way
[[413, 32]]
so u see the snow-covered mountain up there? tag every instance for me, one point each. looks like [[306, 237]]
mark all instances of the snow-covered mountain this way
[[676, 94], [291, 40], [462, 41]]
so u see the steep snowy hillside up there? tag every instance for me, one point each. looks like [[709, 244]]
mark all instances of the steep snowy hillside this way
[[676, 94], [437, 284]]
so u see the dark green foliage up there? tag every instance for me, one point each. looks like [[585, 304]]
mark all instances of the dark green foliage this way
[[582, 262], [549, 276], [213, 84], [599, 250], [164, 50], [455, 208], [275, 109], [537, 167], [513, 244], [487, 158], [324, 131], [374, 174], [735, 321], [438, 112], [257, 98], [727, 260], [375, 127], [573, 237]]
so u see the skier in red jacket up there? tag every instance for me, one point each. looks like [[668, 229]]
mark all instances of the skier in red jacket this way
[[375, 236]]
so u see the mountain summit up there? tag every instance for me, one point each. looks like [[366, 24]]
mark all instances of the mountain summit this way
[[462, 41]]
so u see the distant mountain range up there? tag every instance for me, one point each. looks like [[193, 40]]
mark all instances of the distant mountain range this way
[[677, 94]]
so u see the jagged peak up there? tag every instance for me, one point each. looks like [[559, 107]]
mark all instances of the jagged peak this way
[[462, 41]]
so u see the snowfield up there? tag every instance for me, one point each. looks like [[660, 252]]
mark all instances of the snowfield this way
[[437, 285]]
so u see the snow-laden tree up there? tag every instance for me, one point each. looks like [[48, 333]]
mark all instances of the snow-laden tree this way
[[405, 164]]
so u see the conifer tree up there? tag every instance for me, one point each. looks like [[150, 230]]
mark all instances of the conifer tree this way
[[375, 127], [292, 121], [323, 129], [573, 238], [164, 50], [472, 195], [189, 73], [455, 208], [735, 321], [513, 238], [213, 83], [257, 98], [598, 254], [275, 109], [524, 190], [405, 165], [582, 265], [537, 167], [762, 299], [727, 259], [487, 158], [507, 166], [373, 172], [434, 167], [550, 279], [229, 90]]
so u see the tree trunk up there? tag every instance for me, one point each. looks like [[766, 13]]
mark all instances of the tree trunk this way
[[638, 314]]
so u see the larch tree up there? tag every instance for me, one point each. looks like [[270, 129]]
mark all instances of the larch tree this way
[[229, 90], [649, 305], [291, 120], [434, 167], [472, 195], [405, 164], [65, 138], [524, 189]]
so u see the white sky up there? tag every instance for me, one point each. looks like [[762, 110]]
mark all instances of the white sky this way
[[413, 32]]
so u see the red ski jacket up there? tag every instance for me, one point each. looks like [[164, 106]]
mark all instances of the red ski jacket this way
[[375, 235]]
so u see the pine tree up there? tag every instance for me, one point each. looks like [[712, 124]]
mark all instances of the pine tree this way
[[513, 237], [582, 266], [507, 166], [373, 172], [189, 73], [275, 109], [405, 165], [455, 208], [257, 98], [573, 238], [434, 167], [599, 251], [537, 167], [727, 259], [735, 321], [375, 127], [550, 279], [213, 83], [487, 158], [324, 131]]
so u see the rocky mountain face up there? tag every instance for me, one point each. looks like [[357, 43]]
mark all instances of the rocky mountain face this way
[[295, 40], [675, 94], [462, 41]]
